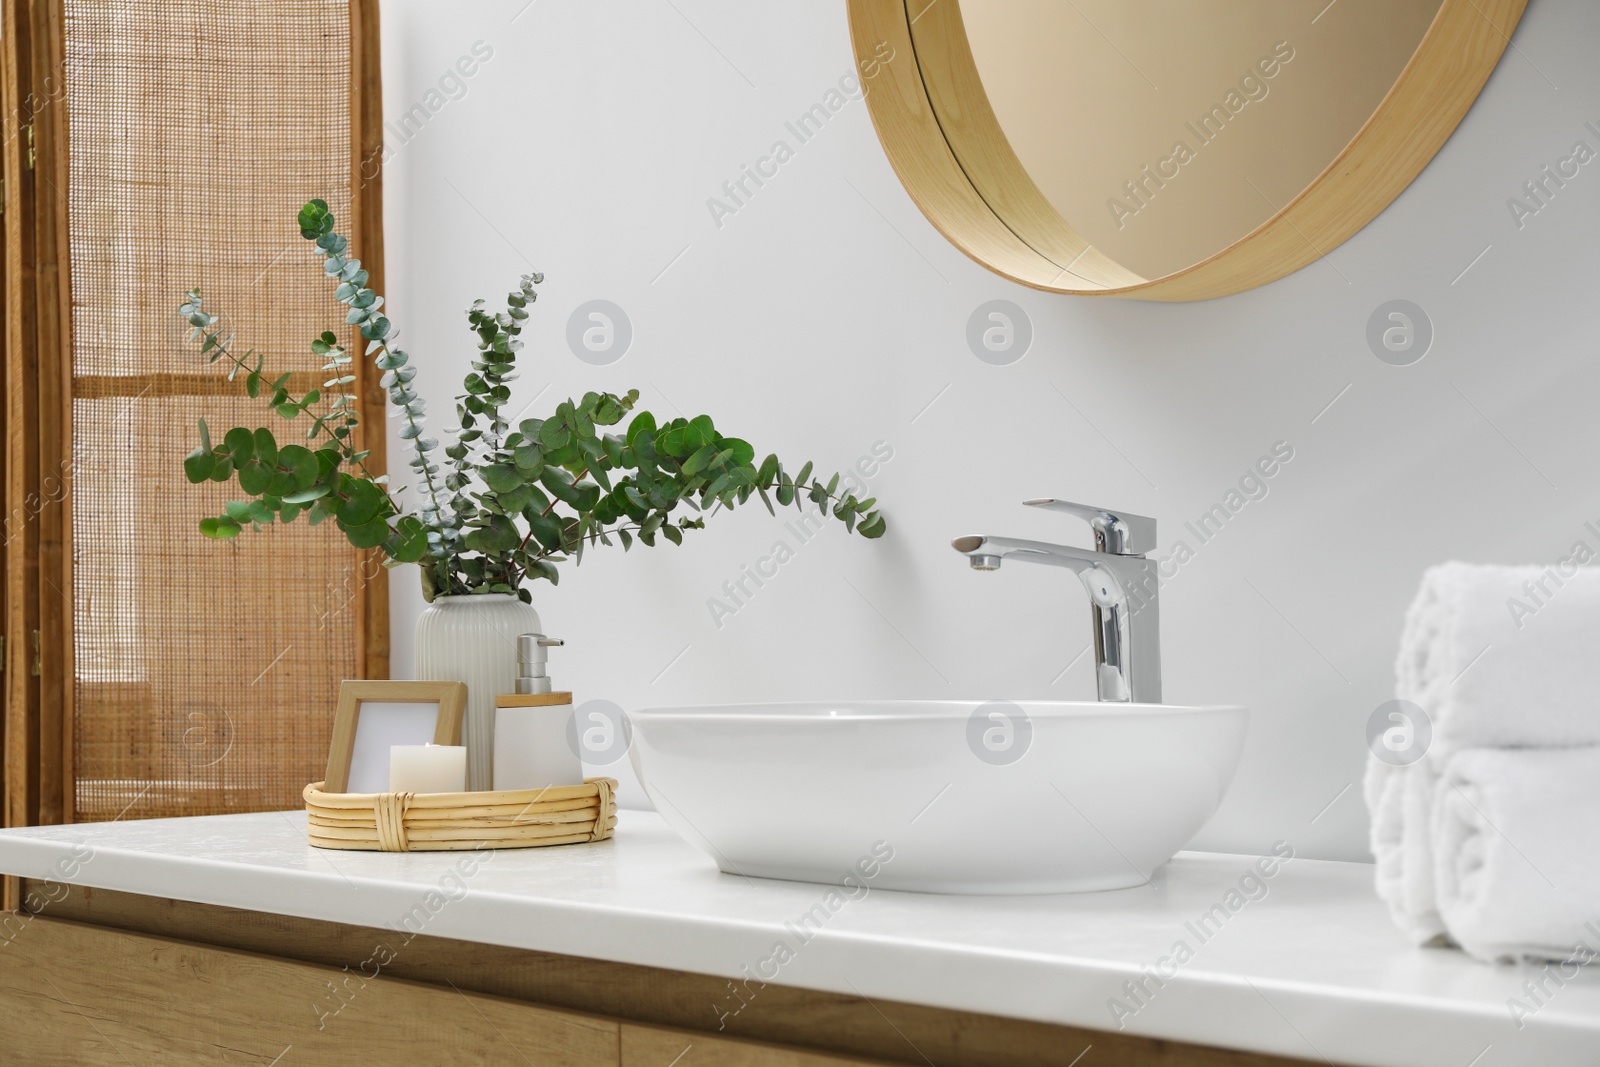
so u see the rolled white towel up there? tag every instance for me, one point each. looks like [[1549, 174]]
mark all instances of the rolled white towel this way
[[1516, 845], [1495, 657], [1504, 657], [1401, 802]]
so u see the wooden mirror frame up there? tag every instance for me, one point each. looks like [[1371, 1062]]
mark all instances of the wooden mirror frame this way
[[1032, 245]]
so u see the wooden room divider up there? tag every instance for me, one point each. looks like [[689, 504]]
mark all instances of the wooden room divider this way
[[149, 147]]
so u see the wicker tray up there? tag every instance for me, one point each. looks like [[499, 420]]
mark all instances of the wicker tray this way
[[446, 822]]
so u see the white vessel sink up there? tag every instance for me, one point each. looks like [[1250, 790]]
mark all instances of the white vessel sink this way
[[940, 796]]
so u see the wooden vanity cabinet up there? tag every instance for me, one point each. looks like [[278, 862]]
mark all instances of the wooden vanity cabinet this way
[[95, 977]]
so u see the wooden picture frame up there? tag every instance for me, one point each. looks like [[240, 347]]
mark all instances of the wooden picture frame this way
[[451, 698]]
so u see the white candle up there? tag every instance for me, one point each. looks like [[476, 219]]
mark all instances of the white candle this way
[[427, 768]]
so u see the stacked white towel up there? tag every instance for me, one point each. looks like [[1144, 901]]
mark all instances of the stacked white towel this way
[[1516, 863], [1505, 663]]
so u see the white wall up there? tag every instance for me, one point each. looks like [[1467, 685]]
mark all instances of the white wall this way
[[827, 314]]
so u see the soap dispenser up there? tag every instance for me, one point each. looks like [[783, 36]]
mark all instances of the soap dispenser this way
[[534, 728]]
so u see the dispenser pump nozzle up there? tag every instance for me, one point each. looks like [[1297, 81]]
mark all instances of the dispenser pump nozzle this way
[[533, 675]]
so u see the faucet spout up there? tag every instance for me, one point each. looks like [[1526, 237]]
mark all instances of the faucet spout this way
[[998, 548], [1122, 591]]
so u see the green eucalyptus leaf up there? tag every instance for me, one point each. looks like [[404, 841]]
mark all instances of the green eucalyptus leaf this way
[[644, 422], [547, 530], [240, 444], [199, 464], [701, 431], [266, 447], [408, 543], [369, 534], [302, 466], [315, 219], [220, 529], [700, 460], [499, 536], [362, 502], [553, 434], [560, 484], [674, 442], [545, 570], [306, 496], [514, 501], [529, 459], [502, 477], [255, 477]]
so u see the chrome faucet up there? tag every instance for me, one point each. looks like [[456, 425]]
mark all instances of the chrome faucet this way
[[1122, 586]]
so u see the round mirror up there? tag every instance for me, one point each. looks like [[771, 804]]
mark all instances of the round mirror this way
[[1166, 149]]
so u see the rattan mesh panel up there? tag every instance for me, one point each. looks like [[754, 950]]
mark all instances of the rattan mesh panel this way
[[206, 671]]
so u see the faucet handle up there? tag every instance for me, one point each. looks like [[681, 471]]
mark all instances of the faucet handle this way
[[1120, 533]]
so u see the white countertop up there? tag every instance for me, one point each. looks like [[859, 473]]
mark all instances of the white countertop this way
[[1312, 969]]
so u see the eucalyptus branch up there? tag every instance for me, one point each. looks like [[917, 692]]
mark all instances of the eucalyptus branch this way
[[215, 347], [512, 503], [316, 225]]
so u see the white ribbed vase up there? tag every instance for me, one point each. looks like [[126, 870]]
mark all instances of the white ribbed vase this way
[[473, 639]]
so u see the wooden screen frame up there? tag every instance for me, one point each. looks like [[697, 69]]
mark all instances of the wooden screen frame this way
[[450, 696], [1024, 240], [36, 772], [37, 368], [366, 236]]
